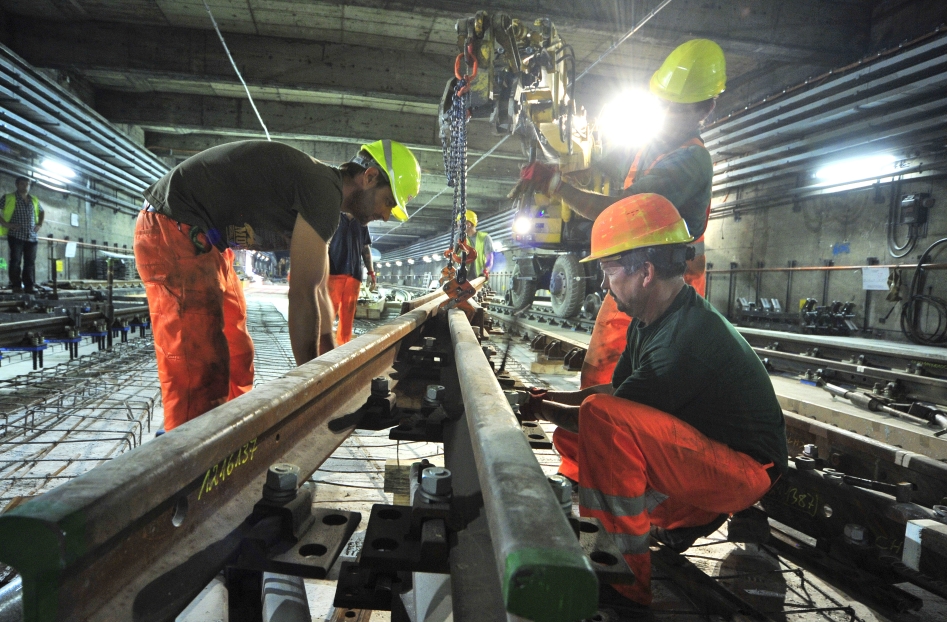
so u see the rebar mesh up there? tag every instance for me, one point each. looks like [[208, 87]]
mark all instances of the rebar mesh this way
[[59, 422], [273, 353]]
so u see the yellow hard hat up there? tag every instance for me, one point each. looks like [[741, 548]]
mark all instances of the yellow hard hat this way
[[695, 71], [472, 218], [402, 170], [636, 222]]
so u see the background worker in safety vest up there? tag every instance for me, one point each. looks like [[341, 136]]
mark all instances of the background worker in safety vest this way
[[689, 429], [675, 165], [22, 217], [255, 195], [483, 244], [349, 249]]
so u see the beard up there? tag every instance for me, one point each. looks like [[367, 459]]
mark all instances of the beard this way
[[359, 204], [623, 307]]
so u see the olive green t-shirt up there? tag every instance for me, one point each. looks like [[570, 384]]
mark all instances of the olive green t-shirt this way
[[692, 363], [247, 194]]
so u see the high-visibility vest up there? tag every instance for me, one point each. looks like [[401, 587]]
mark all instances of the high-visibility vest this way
[[10, 205], [480, 241]]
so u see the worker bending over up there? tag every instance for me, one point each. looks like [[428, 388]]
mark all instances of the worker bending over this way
[[349, 249], [255, 195], [689, 429]]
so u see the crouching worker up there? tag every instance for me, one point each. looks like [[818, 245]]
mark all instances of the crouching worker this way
[[689, 430]]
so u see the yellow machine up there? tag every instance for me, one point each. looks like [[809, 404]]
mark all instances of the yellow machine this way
[[524, 83]]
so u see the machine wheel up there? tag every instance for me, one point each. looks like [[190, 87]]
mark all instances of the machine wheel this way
[[567, 286], [593, 302], [521, 291]]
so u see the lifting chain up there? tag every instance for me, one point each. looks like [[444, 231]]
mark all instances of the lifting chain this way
[[455, 164]]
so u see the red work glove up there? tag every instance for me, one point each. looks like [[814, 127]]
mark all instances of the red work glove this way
[[537, 178], [532, 408], [486, 274]]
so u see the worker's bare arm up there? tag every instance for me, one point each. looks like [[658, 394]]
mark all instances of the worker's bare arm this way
[[309, 256], [575, 398], [563, 415], [586, 204]]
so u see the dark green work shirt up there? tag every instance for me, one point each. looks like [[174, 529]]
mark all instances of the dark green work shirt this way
[[247, 194], [684, 177], [691, 363]]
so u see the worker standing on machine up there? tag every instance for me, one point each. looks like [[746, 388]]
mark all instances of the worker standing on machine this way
[[255, 195], [689, 430], [483, 244], [675, 165]]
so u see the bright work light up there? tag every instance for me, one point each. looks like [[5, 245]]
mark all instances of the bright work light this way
[[881, 165], [57, 169], [522, 225], [631, 119]]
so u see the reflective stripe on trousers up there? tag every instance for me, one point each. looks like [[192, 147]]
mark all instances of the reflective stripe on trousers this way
[[198, 318], [639, 466]]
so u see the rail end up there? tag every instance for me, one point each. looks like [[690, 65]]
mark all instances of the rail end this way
[[551, 585]]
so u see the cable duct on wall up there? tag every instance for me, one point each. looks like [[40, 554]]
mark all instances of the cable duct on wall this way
[[39, 119]]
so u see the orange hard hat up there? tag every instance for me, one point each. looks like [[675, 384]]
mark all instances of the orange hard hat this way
[[637, 221]]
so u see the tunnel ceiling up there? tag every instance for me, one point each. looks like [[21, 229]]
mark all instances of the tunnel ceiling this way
[[330, 75]]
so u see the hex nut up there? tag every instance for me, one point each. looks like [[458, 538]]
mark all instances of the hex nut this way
[[855, 533], [434, 393], [283, 477], [811, 450], [380, 386], [429, 343], [436, 481], [562, 487]]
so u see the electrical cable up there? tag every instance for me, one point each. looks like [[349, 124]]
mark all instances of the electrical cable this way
[[234, 65], [915, 304], [628, 34], [894, 249]]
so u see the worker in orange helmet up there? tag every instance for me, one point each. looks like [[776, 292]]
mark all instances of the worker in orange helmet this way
[[675, 165], [256, 195], [689, 430]]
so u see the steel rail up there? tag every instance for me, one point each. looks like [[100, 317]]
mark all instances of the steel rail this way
[[140, 536], [544, 573], [59, 322]]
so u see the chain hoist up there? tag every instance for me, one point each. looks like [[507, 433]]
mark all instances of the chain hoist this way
[[455, 167]]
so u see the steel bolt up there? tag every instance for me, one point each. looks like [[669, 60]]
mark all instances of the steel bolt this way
[[562, 488], [811, 450], [429, 343], [436, 481], [434, 393], [854, 533], [940, 511], [283, 477], [380, 386]]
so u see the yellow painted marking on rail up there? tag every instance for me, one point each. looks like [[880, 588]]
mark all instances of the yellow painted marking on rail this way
[[218, 474]]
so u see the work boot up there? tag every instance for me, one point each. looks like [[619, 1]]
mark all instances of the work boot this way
[[681, 539], [613, 606]]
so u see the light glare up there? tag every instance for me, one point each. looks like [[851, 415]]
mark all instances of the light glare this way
[[632, 119], [57, 169], [522, 225], [857, 168]]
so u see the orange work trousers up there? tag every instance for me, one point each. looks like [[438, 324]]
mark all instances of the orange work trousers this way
[[609, 338], [198, 318], [343, 290], [640, 467]]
